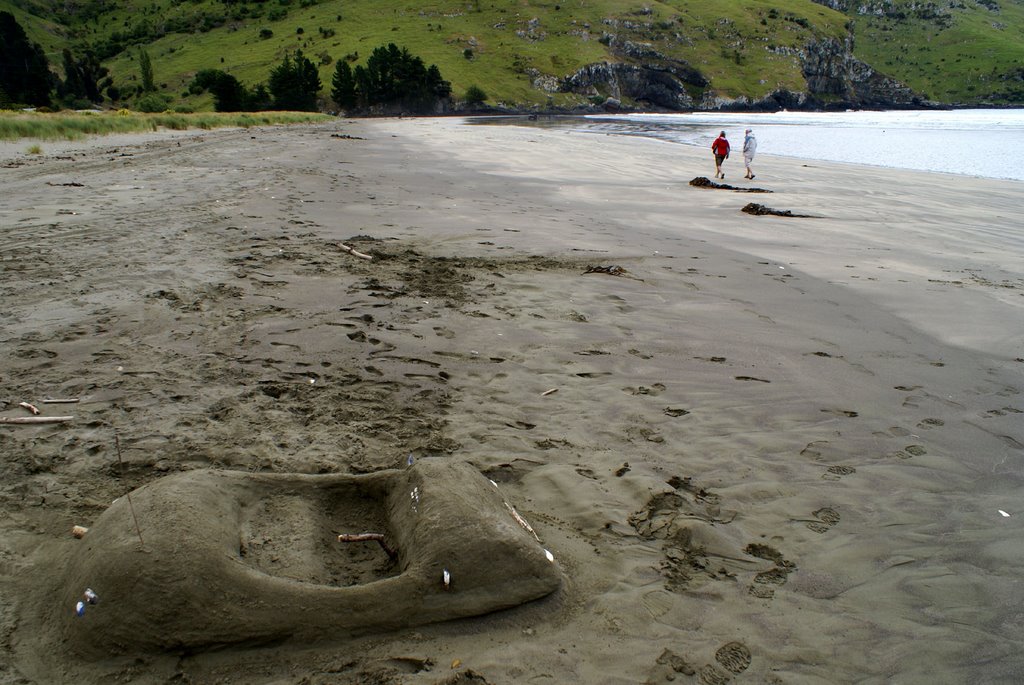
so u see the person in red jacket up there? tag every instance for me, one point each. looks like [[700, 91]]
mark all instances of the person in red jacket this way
[[720, 148]]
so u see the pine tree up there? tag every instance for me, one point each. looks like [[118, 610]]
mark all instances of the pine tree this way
[[343, 84], [295, 83], [25, 76]]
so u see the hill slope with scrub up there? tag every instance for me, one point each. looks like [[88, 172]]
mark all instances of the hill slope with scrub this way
[[568, 54]]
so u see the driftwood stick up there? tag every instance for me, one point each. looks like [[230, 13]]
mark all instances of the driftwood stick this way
[[35, 419], [30, 407], [69, 400], [352, 251], [371, 537], [127, 493]]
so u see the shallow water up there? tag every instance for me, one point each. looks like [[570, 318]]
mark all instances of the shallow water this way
[[983, 143]]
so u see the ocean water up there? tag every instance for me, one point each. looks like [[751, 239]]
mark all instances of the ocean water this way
[[987, 143]]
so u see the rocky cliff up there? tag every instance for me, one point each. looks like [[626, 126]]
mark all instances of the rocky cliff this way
[[834, 79]]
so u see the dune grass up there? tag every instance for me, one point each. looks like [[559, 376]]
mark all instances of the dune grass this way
[[78, 125]]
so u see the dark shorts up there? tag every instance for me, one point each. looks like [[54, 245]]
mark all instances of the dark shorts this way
[[719, 159]]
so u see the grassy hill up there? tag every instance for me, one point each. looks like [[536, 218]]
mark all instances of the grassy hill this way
[[954, 51], [515, 50]]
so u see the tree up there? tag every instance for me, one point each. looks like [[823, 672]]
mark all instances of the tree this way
[[396, 79], [25, 75], [295, 83], [82, 77], [343, 84], [229, 95], [146, 71]]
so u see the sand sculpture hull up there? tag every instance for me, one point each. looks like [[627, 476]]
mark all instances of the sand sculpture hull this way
[[239, 558]]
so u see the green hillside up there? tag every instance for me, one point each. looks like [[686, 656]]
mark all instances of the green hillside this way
[[952, 51], [518, 50]]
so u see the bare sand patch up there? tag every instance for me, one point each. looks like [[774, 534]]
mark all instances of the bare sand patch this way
[[776, 451]]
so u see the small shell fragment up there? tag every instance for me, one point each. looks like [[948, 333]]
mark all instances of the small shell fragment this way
[[79, 531], [1003, 513], [456, 663], [446, 578], [550, 556]]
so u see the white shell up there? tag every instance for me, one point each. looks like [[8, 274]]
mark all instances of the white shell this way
[[550, 556], [446, 577]]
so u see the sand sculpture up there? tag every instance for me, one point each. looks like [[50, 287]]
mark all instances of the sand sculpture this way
[[242, 558]]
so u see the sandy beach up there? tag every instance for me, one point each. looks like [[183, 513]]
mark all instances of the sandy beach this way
[[760, 449]]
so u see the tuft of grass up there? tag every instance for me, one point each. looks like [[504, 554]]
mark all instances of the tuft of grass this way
[[75, 126], [34, 150]]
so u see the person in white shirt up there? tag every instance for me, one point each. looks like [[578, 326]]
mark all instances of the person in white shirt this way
[[749, 148]]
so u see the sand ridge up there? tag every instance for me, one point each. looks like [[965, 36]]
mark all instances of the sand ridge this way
[[776, 453]]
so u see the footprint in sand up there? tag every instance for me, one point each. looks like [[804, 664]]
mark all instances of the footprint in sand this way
[[827, 518], [765, 582], [693, 552], [676, 663], [837, 471], [909, 451], [931, 423], [654, 390], [733, 657]]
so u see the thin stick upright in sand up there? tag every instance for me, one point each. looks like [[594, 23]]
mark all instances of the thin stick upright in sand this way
[[138, 531]]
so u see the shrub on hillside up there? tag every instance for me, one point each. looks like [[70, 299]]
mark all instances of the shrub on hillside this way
[[475, 95], [153, 102]]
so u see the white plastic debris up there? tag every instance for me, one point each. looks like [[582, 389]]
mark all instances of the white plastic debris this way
[[80, 609], [90, 596], [446, 578], [550, 556], [1003, 513]]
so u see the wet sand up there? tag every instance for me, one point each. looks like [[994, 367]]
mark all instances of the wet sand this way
[[779, 449]]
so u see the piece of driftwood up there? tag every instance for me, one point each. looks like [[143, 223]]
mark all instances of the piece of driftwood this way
[[31, 407], [35, 419], [58, 400], [369, 537], [549, 392], [352, 251]]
